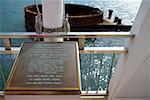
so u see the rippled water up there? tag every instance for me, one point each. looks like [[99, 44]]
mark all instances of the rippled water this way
[[125, 9]]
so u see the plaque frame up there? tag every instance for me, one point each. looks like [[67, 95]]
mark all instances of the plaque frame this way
[[43, 91]]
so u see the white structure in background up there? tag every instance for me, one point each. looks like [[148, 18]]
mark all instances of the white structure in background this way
[[53, 15], [132, 78]]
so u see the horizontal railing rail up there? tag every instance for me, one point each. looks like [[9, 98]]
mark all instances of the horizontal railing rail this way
[[13, 50], [4, 35], [104, 50], [94, 93], [91, 95], [1, 93], [88, 50]]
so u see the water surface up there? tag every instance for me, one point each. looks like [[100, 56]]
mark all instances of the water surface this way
[[12, 11]]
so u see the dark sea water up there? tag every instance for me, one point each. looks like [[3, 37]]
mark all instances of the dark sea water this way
[[12, 20]]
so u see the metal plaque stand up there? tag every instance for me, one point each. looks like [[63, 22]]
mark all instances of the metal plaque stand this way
[[46, 70]]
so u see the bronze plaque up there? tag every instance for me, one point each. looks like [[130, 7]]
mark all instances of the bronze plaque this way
[[46, 66]]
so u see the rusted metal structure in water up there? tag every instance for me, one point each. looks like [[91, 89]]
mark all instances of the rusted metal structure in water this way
[[81, 18]]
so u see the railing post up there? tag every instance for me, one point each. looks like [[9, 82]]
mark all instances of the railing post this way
[[110, 71], [7, 43], [2, 73], [101, 64], [2, 97], [89, 72], [81, 43]]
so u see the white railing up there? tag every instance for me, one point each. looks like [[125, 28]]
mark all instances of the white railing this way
[[8, 49]]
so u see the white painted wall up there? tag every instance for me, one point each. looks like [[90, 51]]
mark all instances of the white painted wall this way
[[132, 78]]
